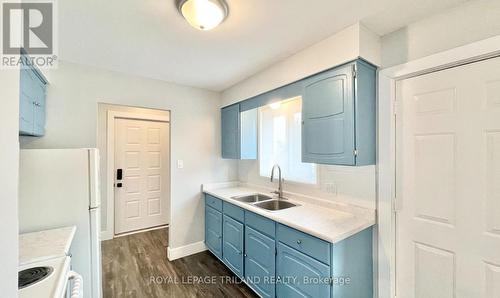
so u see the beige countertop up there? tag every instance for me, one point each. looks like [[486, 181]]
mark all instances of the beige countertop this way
[[326, 220]]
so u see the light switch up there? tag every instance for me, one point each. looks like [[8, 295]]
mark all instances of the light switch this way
[[180, 164]]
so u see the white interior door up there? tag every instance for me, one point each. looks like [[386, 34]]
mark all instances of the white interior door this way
[[448, 183], [142, 152]]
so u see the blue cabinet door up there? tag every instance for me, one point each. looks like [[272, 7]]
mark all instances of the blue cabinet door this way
[[260, 255], [32, 95], [233, 245], [213, 231], [300, 275], [230, 132], [26, 104], [328, 118], [39, 114]]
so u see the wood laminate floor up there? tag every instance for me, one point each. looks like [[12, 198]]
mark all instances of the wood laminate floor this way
[[137, 266]]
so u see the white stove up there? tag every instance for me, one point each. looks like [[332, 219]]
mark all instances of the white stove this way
[[54, 275], [44, 265]]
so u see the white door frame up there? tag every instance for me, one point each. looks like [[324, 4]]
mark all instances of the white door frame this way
[[110, 163], [386, 159]]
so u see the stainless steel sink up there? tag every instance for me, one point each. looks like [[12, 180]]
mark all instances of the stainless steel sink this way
[[274, 205], [252, 198]]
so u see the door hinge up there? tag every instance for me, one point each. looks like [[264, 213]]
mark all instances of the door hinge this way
[[396, 205], [354, 71], [395, 107], [275, 251], [355, 152]]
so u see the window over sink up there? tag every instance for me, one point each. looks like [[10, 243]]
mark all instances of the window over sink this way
[[280, 141]]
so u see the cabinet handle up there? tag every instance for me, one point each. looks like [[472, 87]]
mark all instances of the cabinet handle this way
[[299, 241]]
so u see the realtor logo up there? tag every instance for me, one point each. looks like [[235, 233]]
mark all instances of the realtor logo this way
[[28, 26]]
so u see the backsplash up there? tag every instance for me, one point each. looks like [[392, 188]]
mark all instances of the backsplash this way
[[353, 185]]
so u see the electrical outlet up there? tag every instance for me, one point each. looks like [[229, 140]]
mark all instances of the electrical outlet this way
[[331, 188]]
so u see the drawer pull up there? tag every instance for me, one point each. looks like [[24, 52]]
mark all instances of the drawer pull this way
[[299, 241]]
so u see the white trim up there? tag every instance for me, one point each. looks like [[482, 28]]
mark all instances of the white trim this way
[[386, 162], [184, 251], [141, 231], [109, 233]]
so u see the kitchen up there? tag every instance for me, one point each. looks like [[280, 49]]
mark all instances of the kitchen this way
[[242, 158]]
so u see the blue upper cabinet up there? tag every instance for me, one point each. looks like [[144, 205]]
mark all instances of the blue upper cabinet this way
[[238, 133], [230, 122], [32, 95], [338, 113], [338, 117]]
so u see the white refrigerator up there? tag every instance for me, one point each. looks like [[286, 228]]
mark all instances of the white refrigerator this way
[[60, 187]]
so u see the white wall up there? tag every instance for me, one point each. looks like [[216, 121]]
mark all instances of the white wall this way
[[472, 21], [9, 159], [341, 47], [353, 185], [72, 109]]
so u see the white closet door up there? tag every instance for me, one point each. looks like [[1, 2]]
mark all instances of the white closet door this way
[[448, 183]]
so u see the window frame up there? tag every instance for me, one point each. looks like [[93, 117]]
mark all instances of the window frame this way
[[259, 149]]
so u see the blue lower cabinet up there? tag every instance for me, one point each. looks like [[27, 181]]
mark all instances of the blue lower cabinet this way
[[260, 266], [352, 268], [233, 245], [278, 261], [300, 275], [213, 231]]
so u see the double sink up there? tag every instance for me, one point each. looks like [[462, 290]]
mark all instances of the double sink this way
[[265, 202]]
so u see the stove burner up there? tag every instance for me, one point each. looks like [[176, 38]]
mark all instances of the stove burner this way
[[30, 276]]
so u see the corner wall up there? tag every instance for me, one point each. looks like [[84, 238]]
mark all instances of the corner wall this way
[[354, 185], [9, 159], [344, 46], [467, 23], [72, 113]]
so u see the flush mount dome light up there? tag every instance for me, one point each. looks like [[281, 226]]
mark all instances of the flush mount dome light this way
[[203, 14]]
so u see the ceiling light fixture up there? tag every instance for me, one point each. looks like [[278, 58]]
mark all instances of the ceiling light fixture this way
[[203, 14]]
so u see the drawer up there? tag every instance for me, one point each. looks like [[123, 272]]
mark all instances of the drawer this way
[[213, 202], [260, 223], [305, 243], [233, 211]]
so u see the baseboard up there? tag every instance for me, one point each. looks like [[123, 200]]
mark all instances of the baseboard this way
[[184, 251], [106, 235]]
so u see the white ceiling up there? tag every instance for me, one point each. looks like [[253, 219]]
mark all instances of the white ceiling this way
[[149, 38]]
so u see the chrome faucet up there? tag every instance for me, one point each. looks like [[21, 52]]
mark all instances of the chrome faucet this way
[[279, 192]]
